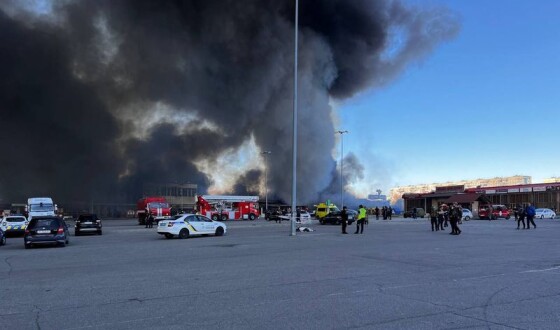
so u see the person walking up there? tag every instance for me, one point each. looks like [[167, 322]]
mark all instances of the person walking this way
[[390, 212], [440, 218], [456, 213], [361, 219], [530, 213], [376, 213], [433, 219], [344, 216], [520, 216], [150, 221]]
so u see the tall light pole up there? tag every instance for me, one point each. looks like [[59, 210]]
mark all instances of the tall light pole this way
[[294, 139], [266, 153], [341, 163]]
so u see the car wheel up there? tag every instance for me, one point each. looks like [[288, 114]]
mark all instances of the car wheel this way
[[100, 232], [508, 217], [322, 221], [252, 217], [467, 218], [215, 217], [224, 217], [219, 231], [168, 236], [63, 244], [27, 246], [76, 233], [184, 233], [542, 216], [337, 222]]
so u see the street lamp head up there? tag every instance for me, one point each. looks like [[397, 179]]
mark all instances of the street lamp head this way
[[266, 152], [342, 132]]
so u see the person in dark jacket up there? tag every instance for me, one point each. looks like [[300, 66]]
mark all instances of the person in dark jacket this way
[[150, 221], [440, 218], [433, 219], [455, 215], [530, 213], [520, 216], [344, 216], [376, 213]]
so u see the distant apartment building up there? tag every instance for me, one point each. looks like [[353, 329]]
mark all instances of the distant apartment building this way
[[396, 193], [554, 179]]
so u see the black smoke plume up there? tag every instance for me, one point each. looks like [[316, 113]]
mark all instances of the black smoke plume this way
[[100, 97]]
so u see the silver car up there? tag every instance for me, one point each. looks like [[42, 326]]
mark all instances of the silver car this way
[[467, 215], [545, 213]]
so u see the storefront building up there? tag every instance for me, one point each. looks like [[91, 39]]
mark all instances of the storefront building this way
[[541, 195]]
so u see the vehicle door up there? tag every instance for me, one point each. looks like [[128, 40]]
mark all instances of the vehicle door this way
[[195, 224], [208, 225]]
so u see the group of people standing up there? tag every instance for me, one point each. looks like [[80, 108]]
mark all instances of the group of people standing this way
[[525, 212], [440, 217], [386, 212]]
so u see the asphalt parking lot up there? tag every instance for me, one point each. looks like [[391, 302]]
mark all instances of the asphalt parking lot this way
[[397, 275]]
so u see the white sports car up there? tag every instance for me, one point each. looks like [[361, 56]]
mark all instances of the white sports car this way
[[186, 225]]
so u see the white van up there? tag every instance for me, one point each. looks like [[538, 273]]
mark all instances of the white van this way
[[40, 207]]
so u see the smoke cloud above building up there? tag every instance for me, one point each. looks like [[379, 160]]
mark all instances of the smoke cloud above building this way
[[100, 97]]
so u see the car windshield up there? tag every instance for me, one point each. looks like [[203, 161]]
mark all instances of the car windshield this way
[[540, 210], [158, 205], [42, 207], [15, 219], [48, 223]]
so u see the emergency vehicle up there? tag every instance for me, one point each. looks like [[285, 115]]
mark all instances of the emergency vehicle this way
[[186, 225], [156, 206], [14, 224], [322, 209], [224, 207]]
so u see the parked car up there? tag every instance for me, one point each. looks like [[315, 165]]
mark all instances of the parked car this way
[[186, 225], [14, 224], [304, 217], [88, 223], [420, 213], [335, 218], [493, 212], [467, 215], [46, 230], [2, 237], [544, 213]]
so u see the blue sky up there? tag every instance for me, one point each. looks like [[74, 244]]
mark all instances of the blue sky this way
[[485, 104]]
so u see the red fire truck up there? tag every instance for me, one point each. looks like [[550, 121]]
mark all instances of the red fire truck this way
[[157, 206], [224, 207]]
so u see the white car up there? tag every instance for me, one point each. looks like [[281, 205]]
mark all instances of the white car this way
[[467, 214], [185, 225], [304, 217], [14, 224], [544, 213]]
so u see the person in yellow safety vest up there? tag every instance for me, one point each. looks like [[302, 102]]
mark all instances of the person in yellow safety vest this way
[[362, 214]]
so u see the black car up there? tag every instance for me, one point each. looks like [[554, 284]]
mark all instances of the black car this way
[[46, 230], [2, 237], [88, 223], [335, 218]]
